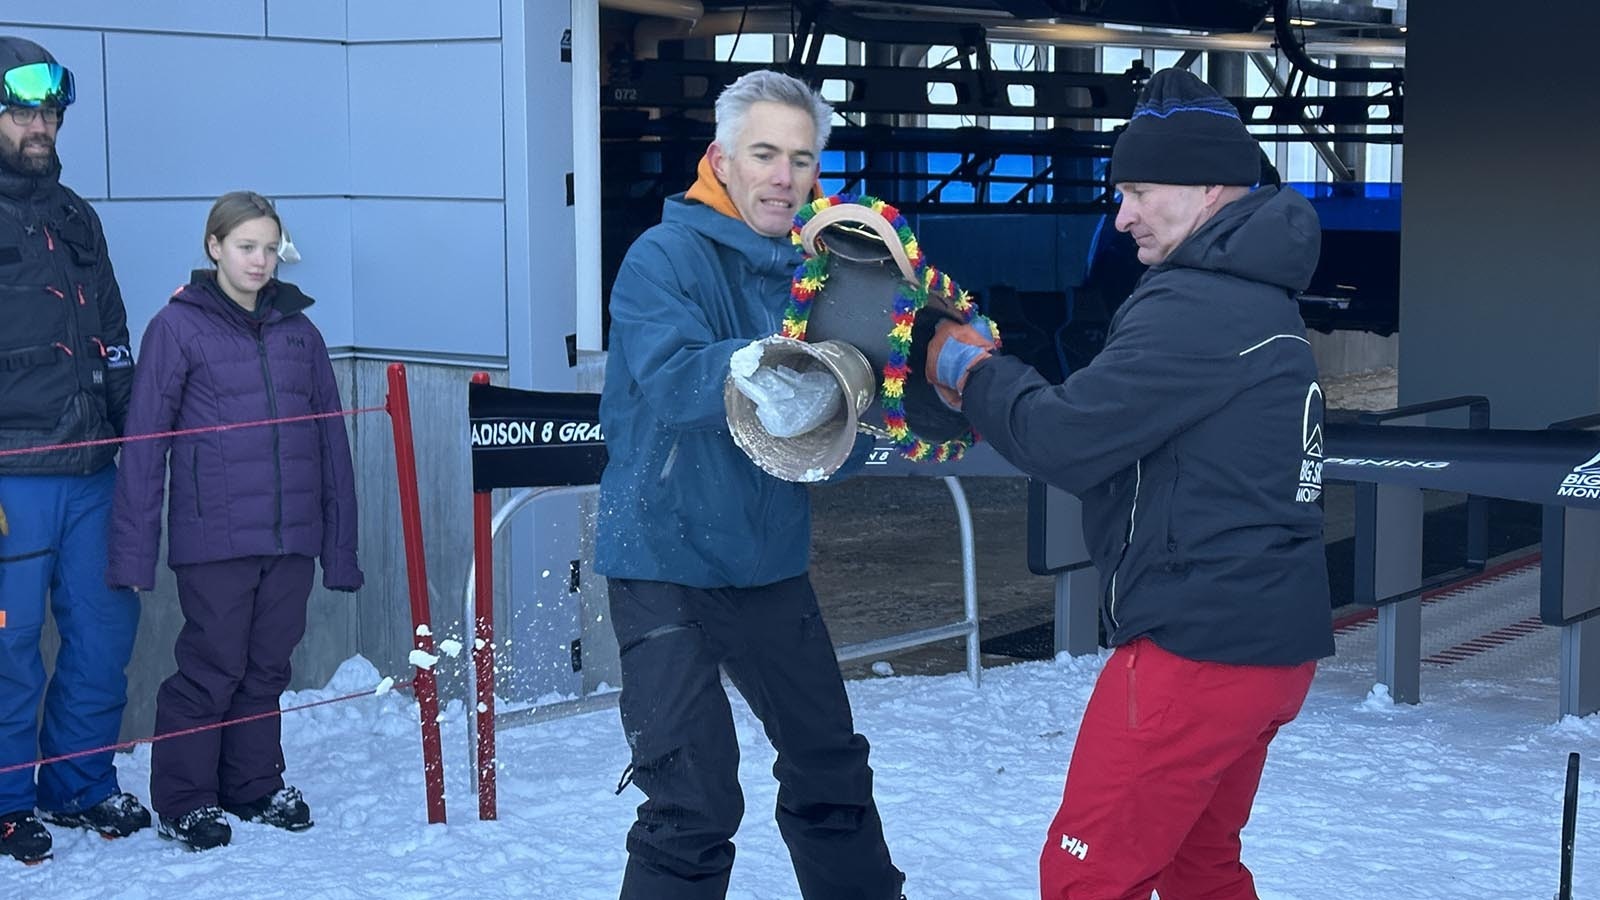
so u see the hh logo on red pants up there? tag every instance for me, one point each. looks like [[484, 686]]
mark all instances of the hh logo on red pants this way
[[1163, 774], [1074, 846]]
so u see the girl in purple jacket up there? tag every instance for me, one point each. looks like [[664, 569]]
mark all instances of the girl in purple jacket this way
[[250, 509]]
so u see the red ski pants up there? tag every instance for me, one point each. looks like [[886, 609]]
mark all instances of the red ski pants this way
[[1163, 775]]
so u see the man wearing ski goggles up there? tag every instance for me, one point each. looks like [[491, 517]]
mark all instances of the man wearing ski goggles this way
[[34, 98], [65, 378]]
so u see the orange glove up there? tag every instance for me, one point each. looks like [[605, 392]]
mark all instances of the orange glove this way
[[953, 351]]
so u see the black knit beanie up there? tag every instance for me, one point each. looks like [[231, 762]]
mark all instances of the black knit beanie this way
[[15, 51], [1183, 132]]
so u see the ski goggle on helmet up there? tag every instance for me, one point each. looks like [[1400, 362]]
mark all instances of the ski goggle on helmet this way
[[38, 84]]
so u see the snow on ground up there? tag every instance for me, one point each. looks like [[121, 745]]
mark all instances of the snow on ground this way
[[1459, 797]]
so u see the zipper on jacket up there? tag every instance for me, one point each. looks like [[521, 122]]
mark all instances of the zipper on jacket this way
[[84, 406], [277, 461], [1133, 686], [1172, 502], [774, 322], [1133, 512], [671, 460], [194, 472], [769, 493]]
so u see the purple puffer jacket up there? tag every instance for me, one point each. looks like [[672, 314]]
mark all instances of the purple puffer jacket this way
[[255, 491]]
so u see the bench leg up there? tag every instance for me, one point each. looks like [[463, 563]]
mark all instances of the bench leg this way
[[1400, 649], [1580, 667], [1077, 630]]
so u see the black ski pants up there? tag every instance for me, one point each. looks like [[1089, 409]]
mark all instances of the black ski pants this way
[[242, 619], [775, 648]]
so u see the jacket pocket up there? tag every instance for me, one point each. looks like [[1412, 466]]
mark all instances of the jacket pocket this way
[[1174, 544], [79, 238], [194, 475], [1153, 686], [32, 313], [36, 384]]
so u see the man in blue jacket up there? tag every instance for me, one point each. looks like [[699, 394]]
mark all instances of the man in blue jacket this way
[[65, 374], [706, 555], [1194, 440]]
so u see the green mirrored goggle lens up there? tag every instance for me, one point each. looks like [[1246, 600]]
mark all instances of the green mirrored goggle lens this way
[[36, 84]]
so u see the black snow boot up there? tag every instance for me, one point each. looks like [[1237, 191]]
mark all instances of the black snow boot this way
[[283, 808], [117, 816], [198, 829], [24, 838]]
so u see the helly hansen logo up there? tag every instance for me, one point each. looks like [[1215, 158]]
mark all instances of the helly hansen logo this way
[[296, 341], [1074, 846]]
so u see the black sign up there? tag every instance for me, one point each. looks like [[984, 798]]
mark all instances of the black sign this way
[[1552, 467], [1560, 468], [533, 439]]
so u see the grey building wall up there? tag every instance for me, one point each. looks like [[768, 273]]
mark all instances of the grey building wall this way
[[1498, 263], [417, 152]]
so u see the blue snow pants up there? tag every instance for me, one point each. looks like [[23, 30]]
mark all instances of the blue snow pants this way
[[57, 548]]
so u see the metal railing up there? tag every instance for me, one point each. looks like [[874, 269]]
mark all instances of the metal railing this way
[[967, 627]]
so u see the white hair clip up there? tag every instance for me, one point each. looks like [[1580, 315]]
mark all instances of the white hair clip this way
[[286, 249]]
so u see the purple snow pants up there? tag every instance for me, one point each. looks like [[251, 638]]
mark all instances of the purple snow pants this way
[[242, 620]]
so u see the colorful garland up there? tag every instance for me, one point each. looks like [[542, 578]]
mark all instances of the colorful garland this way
[[812, 274]]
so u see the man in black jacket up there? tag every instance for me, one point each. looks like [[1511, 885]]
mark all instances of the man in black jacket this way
[[1194, 440], [65, 375]]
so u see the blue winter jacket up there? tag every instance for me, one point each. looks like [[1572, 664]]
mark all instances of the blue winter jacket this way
[[678, 501]]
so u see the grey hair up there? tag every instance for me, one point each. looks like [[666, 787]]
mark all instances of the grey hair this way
[[765, 85]]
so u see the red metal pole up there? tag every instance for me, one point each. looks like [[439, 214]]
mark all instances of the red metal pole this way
[[483, 640], [424, 686]]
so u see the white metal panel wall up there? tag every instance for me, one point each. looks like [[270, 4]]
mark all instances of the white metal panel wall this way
[[539, 222], [425, 120], [313, 19], [430, 276], [198, 116], [243, 17], [315, 119], [539, 250], [154, 244], [429, 264], [426, 20], [545, 610]]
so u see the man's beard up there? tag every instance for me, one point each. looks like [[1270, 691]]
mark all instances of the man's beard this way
[[16, 160]]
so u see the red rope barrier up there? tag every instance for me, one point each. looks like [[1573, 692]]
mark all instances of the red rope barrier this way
[[422, 685], [129, 745], [187, 431]]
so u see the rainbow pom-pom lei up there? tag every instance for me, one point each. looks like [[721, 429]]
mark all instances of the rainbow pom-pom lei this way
[[812, 274]]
